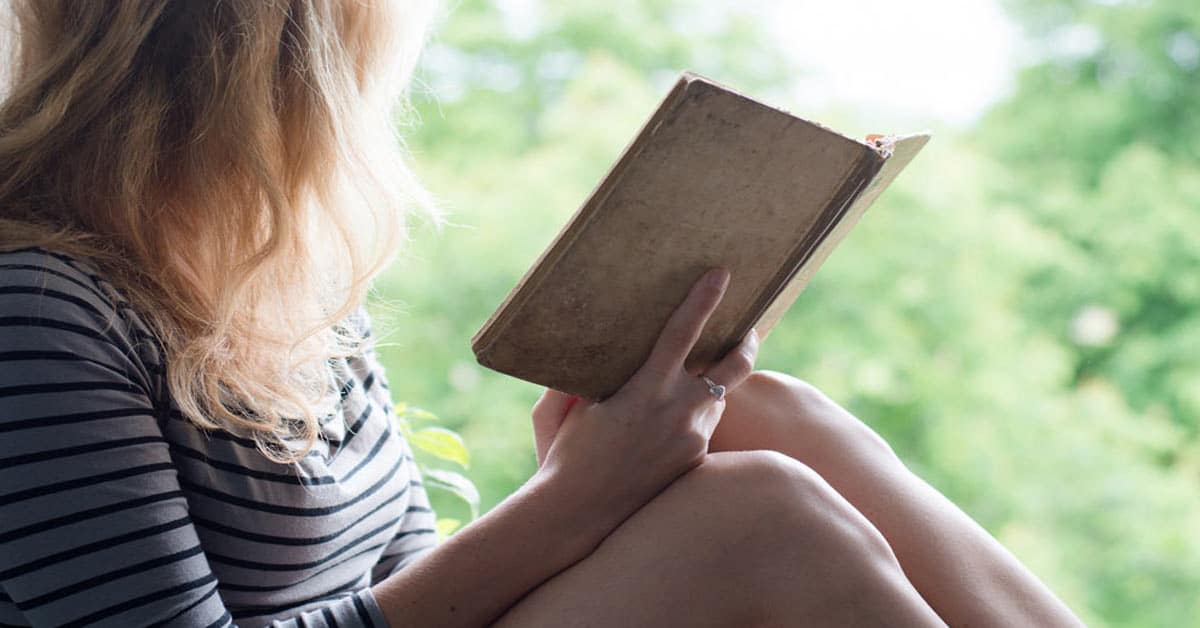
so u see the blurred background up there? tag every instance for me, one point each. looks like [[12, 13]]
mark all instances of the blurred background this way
[[1019, 315]]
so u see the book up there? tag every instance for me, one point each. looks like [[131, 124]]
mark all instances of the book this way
[[713, 178]]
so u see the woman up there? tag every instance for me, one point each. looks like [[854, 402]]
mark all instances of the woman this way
[[194, 198]]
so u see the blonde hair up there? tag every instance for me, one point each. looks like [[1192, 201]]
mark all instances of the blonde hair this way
[[231, 167]]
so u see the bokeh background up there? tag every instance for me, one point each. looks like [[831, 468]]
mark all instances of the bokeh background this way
[[1018, 315]]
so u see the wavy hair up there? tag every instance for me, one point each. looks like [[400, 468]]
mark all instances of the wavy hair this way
[[231, 166]]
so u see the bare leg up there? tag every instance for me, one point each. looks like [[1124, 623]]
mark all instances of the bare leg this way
[[964, 573], [746, 539]]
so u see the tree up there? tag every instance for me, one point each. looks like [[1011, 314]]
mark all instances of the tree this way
[[1104, 146]]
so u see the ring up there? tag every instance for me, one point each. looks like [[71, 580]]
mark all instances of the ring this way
[[715, 389]]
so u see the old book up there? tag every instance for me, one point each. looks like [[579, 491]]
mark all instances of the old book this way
[[713, 178]]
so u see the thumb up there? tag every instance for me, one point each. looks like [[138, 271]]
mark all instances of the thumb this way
[[548, 415]]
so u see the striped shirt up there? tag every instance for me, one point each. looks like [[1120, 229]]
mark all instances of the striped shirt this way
[[115, 510]]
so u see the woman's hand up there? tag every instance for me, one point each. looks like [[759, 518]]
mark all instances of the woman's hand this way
[[548, 415], [601, 462], [624, 450]]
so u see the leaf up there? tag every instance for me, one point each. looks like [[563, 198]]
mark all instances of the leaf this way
[[446, 526], [457, 484], [412, 412], [424, 415], [443, 443]]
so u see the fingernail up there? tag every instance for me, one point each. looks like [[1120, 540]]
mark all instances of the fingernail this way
[[753, 335]]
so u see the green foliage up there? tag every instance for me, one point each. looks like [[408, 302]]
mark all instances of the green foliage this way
[[1018, 316], [455, 483], [442, 445], [1101, 149], [447, 526], [1109, 150]]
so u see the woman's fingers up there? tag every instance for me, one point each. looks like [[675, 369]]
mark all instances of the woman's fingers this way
[[683, 329], [553, 404], [737, 365], [548, 414]]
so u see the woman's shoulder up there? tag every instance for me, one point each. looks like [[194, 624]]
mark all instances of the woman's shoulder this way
[[55, 302], [45, 273]]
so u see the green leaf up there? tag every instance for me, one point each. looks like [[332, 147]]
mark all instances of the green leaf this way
[[424, 415], [455, 483], [443, 443], [447, 526], [405, 411]]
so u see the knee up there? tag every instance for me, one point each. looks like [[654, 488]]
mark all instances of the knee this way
[[786, 511], [765, 381], [827, 424], [796, 537]]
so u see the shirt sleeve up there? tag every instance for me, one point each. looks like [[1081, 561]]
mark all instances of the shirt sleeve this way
[[418, 535], [414, 539], [94, 528]]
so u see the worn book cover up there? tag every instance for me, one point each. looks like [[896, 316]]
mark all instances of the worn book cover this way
[[713, 178]]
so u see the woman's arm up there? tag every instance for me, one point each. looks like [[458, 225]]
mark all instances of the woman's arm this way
[[94, 527], [658, 423], [478, 573]]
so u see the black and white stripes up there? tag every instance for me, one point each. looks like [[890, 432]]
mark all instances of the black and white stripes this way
[[115, 510]]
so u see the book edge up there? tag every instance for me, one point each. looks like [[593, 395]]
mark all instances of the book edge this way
[[880, 182], [848, 190], [694, 77]]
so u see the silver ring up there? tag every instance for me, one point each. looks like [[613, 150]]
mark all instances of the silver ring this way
[[715, 389]]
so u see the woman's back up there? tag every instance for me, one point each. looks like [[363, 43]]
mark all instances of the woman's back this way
[[106, 488]]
